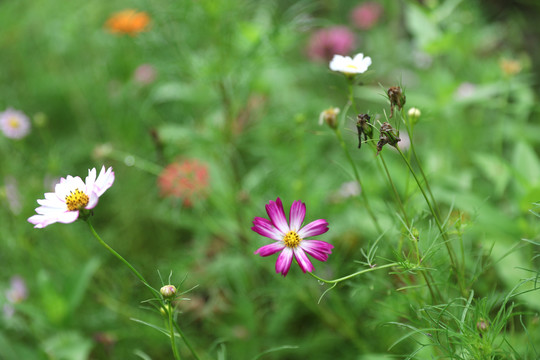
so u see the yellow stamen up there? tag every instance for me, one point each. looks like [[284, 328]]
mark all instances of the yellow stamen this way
[[292, 239], [76, 200], [14, 123]]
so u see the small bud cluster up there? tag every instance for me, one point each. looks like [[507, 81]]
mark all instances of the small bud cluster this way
[[363, 125], [396, 97], [387, 136]]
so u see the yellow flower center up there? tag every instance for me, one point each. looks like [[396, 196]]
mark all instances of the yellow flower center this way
[[14, 123], [76, 200], [351, 66], [292, 239]]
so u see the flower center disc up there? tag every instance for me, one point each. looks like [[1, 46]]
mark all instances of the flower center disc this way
[[292, 239], [76, 200]]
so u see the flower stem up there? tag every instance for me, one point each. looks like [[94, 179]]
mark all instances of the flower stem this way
[[154, 292], [171, 329], [117, 255], [357, 177], [355, 274], [186, 341], [437, 221]]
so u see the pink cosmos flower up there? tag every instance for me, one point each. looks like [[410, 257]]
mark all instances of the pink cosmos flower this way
[[325, 43], [290, 237], [366, 15], [70, 196], [14, 124]]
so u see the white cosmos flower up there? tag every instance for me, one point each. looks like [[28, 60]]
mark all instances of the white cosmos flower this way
[[70, 196], [348, 66]]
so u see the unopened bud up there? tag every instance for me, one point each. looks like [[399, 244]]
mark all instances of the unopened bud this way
[[396, 97], [414, 114], [329, 116], [482, 325], [387, 136], [363, 126], [168, 291]]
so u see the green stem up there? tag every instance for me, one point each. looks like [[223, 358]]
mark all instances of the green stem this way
[[357, 177], [171, 329], [396, 194], [112, 251], [353, 275], [436, 217], [186, 341], [154, 292]]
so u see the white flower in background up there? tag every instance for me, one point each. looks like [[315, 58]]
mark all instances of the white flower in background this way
[[344, 64], [70, 196], [14, 124]]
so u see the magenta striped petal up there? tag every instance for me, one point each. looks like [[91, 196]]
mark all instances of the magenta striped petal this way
[[270, 249], [284, 260], [265, 228], [303, 260], [316, 248], [275, 212], [314, 228], [297, 215]]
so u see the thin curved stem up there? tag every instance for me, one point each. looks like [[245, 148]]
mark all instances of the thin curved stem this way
[[121, 258], [171, 331], [354, 274]]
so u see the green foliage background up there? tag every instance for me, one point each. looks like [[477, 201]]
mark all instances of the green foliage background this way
[[236, 90]]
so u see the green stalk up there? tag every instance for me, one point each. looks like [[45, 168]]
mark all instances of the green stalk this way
[[354, 274], [154, 292], [437, 221], [186, 341], [171, 329], [357, 177]]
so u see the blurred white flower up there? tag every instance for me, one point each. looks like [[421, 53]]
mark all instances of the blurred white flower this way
[[348, 66], [14, 123]]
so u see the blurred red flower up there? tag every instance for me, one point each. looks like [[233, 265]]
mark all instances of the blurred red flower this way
[[128, 22], [187, 180], [366, 15], [326, 43]]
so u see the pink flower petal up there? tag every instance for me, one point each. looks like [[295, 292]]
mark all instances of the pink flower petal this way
[[316, 248], [297, 215], [314, 228], [277, 215], [284, 260], [303, 260], [270, 249], [104, 180]]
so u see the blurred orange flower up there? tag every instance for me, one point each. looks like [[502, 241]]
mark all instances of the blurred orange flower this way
[[128, 21], [187, 180]]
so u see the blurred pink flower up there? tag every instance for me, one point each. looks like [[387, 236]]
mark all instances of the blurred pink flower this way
[[289, 237], [13, 195], [325, 43], [145, 74], [187, 180], [18, 291], [14, 123], [366, 15]]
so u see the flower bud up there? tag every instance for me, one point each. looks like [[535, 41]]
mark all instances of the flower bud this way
[[168, 291], [387, 136], [329, 116], [363, 126], [414, 114], [396, 97]]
